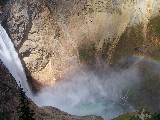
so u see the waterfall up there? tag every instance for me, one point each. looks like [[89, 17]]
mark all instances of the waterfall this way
[[70, 93], [10, 59]]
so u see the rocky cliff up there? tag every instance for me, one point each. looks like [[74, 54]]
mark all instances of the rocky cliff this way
[[55, 38], [14, 105]]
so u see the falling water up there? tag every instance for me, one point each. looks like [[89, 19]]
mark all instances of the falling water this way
[[10, 59], [84, 93]]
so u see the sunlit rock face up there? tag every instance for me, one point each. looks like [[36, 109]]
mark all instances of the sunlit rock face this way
[[56, 37]]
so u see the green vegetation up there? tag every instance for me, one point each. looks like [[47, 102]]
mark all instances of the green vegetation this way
[[153, 36], [87, 53], [101, 6], [142, 114], [155, 23], [4, 115], [126, 116], [24, 111], [130, 43]]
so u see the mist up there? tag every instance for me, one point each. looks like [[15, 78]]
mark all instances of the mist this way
[[87, 93], [84, 93]]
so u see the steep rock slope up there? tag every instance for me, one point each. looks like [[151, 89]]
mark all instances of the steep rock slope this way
[[54, 38], [12, 103]]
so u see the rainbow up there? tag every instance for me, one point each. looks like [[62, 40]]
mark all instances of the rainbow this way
[[141, 58]]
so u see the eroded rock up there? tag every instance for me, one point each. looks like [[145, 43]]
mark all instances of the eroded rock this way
[[50, 35]]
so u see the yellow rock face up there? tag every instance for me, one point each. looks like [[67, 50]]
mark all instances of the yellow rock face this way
[[50, 34]]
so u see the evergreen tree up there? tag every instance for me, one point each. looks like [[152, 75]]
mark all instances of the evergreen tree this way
[[25, 113]]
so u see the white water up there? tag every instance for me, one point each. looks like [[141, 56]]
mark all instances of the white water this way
[[10, 59], [86, 93], [79, 95], [82, 94]]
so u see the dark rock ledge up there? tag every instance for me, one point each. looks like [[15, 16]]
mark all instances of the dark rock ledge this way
[[12, 98]]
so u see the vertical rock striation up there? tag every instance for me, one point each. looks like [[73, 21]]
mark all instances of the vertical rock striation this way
[[52, 35]]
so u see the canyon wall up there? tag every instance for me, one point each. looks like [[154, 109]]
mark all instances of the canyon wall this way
[[57, 37]]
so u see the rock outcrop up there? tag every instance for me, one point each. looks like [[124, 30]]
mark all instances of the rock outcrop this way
[[56, 37], [142, 114]]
